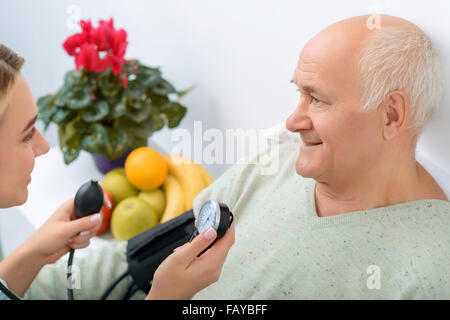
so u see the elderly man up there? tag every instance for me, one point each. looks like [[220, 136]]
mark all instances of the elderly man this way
[[360, 218]]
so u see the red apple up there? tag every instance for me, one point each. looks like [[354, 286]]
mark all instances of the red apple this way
[[106, 213]]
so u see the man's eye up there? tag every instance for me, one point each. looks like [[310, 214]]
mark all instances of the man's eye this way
[[315, 100]]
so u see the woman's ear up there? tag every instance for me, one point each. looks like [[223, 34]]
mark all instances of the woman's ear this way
[[395, 113]]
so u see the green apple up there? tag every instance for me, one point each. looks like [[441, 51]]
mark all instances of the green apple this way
[[117, 184], [156, 199], [119, 171], [131, 217]]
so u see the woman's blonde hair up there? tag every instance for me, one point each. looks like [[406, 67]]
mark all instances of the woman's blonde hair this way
[[10, 65], [401, 58]]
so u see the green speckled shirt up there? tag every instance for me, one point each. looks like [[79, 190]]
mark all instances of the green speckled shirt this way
[[96, 271], [283, 250]]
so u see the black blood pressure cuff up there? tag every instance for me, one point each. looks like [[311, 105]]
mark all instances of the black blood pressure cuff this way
[[147, 251]]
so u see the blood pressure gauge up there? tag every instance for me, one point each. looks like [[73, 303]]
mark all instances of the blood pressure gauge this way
[[216, 215]]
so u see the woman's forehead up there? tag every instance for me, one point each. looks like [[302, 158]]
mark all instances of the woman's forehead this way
[[21, 106]]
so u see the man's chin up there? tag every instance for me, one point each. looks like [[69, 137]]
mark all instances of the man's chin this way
[[306, 171]]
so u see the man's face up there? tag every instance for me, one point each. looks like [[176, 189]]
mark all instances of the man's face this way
[[338, 140]]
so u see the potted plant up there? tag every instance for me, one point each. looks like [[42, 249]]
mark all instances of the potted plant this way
[[108, 105]]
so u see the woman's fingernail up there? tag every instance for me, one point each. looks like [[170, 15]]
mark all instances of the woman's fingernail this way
[[108, 203], [69, 241], [209, 234], [96, 217], [84, 233]]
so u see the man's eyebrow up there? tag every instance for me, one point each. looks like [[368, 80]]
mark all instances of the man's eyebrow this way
[[32, 121], [307, 88], [310, 89]]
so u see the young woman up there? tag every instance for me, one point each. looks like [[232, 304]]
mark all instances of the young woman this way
[[180, 276]]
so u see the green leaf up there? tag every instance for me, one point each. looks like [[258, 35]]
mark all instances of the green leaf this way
[[62, 116], [95, 140], [139, 142], [69, 130], [97, 112], [70, 155], [74, 141], [136, 90], [79, 124], [59, 96], [67, 135], [72, 77], [156, 120], [119, 109], [74, 97], [135, 104], [163, 87], [118, 143], [147, 76], [152, 80], [62, 137], [46, 109], [158, 100], [174, 113], [144, 129], [110, 86], [140, 114], [181, 94]]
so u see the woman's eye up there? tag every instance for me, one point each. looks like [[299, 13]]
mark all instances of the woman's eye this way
[[30, 136]]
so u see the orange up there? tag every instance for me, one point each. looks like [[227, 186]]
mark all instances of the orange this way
[[146, 168]]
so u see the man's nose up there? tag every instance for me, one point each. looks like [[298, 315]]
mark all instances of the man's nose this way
[[299, 120]]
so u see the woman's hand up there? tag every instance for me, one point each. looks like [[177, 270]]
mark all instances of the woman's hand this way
[[183, 274], [62, 232]]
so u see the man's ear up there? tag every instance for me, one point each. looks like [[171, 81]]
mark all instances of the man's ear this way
[[394, 114]]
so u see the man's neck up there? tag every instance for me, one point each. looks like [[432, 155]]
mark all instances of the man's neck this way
[[374, 189]]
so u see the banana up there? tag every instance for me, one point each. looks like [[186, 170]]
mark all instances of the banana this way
[[189, 176], [174, 199]]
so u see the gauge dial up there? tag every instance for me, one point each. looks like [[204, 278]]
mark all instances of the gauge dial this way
[[207, 216]]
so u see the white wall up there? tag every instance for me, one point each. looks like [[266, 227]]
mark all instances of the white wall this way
[[240, 54]]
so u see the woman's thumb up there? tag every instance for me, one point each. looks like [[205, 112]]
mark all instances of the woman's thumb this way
[[83, 224], [200, 243]]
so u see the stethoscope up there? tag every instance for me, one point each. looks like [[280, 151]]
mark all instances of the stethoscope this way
[[8, 292]]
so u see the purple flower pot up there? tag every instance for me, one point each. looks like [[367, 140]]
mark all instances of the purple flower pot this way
[[104, 165]]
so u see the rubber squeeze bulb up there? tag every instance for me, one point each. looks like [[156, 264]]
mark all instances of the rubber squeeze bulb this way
[[88, 199]]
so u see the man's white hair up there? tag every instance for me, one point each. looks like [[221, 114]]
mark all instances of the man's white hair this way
[[401, 58]]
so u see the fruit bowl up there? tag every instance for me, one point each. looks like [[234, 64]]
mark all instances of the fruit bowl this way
[[152, 189]]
